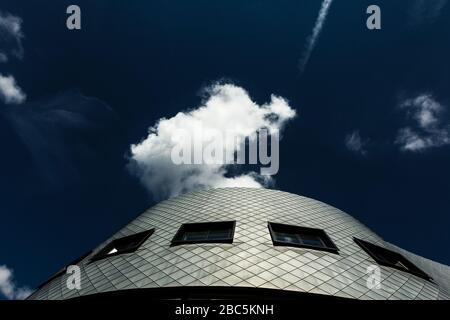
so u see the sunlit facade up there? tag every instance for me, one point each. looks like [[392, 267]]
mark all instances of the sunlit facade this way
[[238, 241]]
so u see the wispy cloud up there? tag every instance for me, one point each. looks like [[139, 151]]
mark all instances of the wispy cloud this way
[[8, 288], [427, 129], [226, 107], [355, 143], [61, 134], [10, 44], [426, 11], [11, 36], [3, 57], [312, 39], [10, 92]]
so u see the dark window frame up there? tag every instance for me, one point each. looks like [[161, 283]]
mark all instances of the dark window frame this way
[[189, 227], [103, 253], [293, 229], [410, 267]]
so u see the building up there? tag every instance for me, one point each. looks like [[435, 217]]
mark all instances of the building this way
[[239, 242]]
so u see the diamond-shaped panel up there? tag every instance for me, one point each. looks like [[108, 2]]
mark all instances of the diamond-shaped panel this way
[[251, 260]]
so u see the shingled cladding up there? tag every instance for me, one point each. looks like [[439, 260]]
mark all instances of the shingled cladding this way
[[251, 260]]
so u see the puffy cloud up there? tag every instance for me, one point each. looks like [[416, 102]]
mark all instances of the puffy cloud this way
[[355, 143], [226, 108], [11, 36], [10, 92], [8, 288], [429, 129]]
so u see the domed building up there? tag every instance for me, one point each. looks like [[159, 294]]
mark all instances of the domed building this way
[[244, 242]]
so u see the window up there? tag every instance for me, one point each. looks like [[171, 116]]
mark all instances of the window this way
[[390, 258], [123, 245], [294, 236], [206, 232]]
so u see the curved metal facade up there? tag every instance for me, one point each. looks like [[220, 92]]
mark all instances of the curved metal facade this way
[[251, 260]]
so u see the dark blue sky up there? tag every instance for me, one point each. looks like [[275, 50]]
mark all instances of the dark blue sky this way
[[64, 186]]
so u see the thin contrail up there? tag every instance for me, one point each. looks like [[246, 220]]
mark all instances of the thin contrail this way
[[311, 42]]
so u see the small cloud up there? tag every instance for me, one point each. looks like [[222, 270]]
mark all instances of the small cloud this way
[[426, 11], [8, 288], [3, 57], [355, 143], [11, 36], [427, 129], [10, 92]]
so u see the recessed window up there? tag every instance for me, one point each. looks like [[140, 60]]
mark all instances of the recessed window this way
[[295, 236], [390, 258], [205, 232], [126, 244]]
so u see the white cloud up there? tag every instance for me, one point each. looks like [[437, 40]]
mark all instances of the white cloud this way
[[311, 42], [355, 143], [11, 36], [8, 288], [10, 44], [226, 108], [429, 129], [10, 92]]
